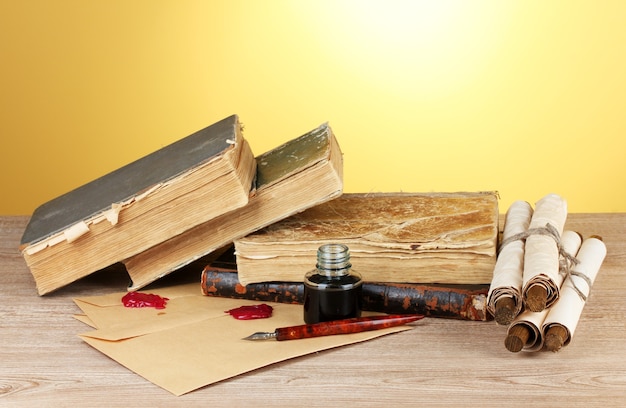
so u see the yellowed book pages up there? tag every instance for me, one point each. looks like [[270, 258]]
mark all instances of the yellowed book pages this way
[[393, 237]]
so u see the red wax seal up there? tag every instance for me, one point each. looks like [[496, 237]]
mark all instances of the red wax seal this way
[[261, 311], [137, 299]]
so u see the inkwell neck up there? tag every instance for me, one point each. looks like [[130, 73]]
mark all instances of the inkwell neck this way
[[333, 260]]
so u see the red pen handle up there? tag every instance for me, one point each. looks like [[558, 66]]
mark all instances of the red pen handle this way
[[347, 326]]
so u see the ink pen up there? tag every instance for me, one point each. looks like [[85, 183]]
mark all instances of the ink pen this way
[[344, 326]]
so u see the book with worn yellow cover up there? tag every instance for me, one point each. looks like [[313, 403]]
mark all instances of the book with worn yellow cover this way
[[393, 237]]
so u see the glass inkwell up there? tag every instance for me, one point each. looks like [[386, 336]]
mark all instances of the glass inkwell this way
[[332, 290]]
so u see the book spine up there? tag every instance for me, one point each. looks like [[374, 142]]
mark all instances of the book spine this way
[[463, 302]]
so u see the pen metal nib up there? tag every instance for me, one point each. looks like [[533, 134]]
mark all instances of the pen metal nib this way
[[261, 336]]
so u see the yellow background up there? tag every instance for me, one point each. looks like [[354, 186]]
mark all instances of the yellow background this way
[[523, 97]]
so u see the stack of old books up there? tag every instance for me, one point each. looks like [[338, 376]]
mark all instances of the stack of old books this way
[[432, 252], [186, 200]]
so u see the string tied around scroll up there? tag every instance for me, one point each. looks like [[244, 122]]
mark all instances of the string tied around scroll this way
[[566, 260]]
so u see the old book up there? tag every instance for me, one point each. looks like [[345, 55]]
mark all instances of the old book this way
[[302, 173], [393, 237], [463, 302], [139, 205]]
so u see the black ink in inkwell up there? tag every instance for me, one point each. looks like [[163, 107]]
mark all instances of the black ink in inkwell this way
[[333, 290]]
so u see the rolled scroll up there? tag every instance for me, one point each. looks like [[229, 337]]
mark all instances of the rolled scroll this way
[[525, 332], [505, 293], [563, 316], [540, 281]]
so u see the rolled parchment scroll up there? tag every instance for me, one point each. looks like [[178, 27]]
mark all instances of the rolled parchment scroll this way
[[526, 331], [563, 316], [504, 300], [540, 282]]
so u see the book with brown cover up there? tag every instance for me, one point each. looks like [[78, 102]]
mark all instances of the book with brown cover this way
[[301, 173], [392, 237], [463, 302], [139, 205]]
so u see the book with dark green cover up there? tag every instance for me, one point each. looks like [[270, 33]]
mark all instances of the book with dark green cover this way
[[301, 173], [137, 206]]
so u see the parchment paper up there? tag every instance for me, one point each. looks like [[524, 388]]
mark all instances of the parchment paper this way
[[507, 274], [192, 342], [567, 310], [541, 256], [532, 321]]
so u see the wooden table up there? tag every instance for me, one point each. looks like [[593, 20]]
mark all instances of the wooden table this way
[[441, 362]]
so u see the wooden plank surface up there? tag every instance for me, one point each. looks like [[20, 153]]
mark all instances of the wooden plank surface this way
[[439, 363]]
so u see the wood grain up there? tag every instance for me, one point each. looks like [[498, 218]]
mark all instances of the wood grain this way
[[440, 363]]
